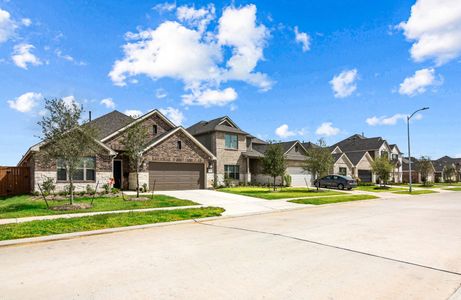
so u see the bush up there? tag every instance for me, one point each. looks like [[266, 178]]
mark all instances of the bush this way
[[90, 190], [48, 186], [144, 188], [106, 188], [115, 190], [66, 190], [287, 180]]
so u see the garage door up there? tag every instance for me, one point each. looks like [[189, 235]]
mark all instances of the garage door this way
[[176, 176], [365, 175], [299, 177]]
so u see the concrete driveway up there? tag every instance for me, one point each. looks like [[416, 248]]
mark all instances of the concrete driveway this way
[[408, 248], [232, 203]]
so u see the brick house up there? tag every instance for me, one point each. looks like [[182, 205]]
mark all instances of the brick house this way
[[172, 157]]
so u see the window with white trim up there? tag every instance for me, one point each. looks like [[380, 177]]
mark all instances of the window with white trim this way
[[86, 170], [342, 171], [230, 141]]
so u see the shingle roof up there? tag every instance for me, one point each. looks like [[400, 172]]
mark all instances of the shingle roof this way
[[255, 140], [337, 156], [109, 123], [405, 163], [213, 125], [355, 156], [309, 145], [358, 142], [442, 162]]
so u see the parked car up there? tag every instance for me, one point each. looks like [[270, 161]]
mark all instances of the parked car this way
[[336, 181]]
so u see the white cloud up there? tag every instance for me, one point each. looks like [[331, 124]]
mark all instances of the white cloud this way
[[344, 84], [210, 97], [165, 7], [435, 28], [392, 120], [69, 101], [159, 53], [69, 58], [175, 115], [26, 22], [26, 102], [327, 129], [133, 113], [108, 102], [7, 26], [418, 83], [303, 38], [160, 93], [22, 56], [283, 131]]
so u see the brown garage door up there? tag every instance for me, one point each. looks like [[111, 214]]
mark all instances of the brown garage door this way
[[176, 176]]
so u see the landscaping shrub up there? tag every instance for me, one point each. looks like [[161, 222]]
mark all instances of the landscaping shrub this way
[[106, 188], [48, 186], [287, 180]]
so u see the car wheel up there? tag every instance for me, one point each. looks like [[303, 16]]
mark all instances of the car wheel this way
[[341, 186], [349, 189]]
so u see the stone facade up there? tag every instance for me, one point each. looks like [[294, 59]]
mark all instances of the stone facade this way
[[143, 179], [101, 177]]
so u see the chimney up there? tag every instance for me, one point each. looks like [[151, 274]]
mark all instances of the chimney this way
[[89, 115]]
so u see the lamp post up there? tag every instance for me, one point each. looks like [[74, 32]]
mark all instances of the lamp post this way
[[409, 153]]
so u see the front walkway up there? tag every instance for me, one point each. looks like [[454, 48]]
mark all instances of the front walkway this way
[[232, 203]]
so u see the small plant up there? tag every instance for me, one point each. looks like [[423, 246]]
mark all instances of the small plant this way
[[144, 188], [90, 190], [36, 193], [67, 190], [227, 182], [115, 191], [48, 186], [287, 179], [106, 188]]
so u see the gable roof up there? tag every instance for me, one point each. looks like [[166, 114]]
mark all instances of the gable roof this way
[[135, 121], [356, 156], [308, 145], [165, 135], [392, 146], [109, 123], [444, 161], [217, 124], [358, 142]]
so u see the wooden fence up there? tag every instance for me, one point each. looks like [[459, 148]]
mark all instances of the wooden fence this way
[[14, 181]]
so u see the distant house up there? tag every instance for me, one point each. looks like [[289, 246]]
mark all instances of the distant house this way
[[416, 176], [238, 153], [440, 165], [355, 154]]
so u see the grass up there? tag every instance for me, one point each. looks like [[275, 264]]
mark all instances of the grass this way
[[59, 226], [335, 199], [377, 189], [27, 206], [284, 193], [415, 192], [456, 189]]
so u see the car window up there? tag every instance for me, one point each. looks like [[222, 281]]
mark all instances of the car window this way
[[327, 177], [335, 177]]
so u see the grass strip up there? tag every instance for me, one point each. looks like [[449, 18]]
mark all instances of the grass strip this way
[[27, 206], [284, 193], [59, 226], [328, 200], [415, 192]]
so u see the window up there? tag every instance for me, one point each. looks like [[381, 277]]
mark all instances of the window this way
[[296, 148], [232, 172], [343, 171], [179, 145], [384, 154], [395, 156], [154, 129], [230, 141], [86, 170]]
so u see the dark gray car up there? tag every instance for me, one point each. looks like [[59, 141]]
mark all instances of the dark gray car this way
[[336, 181]]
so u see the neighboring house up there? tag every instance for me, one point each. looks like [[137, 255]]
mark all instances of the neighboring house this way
[[443, 162], [172, 158], [360, 153], [238, 153], [415, 174]]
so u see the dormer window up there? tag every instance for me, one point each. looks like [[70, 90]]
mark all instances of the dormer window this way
[[179, 145], [154, 129]]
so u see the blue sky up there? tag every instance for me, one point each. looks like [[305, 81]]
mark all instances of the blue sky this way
[[282, 70]]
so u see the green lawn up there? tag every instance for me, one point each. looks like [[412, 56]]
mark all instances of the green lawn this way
[[268, 194], [27, 206], [58, 226], [415, 192], [335, 199], [377, 189], [456, 189]]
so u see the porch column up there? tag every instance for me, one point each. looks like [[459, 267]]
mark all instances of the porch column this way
[[248, 174]]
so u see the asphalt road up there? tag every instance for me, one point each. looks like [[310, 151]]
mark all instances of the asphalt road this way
[[408, 248]]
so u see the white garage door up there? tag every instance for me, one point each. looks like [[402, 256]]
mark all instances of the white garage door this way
[[299, 177]]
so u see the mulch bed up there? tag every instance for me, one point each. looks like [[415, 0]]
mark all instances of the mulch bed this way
[[137, 199], [75, 206]]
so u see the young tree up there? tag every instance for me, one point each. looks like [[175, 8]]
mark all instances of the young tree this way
[[273, 162], [382, 167], [319, 160], [424, 166], [135, 141], [64, 139], [448, 172]]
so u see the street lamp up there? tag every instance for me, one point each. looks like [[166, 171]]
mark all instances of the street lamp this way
[[409, 154]]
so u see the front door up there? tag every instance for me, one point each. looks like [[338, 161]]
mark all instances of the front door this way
[[117, 174]]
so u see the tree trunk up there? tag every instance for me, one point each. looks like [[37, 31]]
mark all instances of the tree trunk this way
[[275, 177], [71, 190], [318, 185], [137, 183]]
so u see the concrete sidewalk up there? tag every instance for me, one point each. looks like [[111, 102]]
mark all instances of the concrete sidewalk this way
[[78, 215]]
